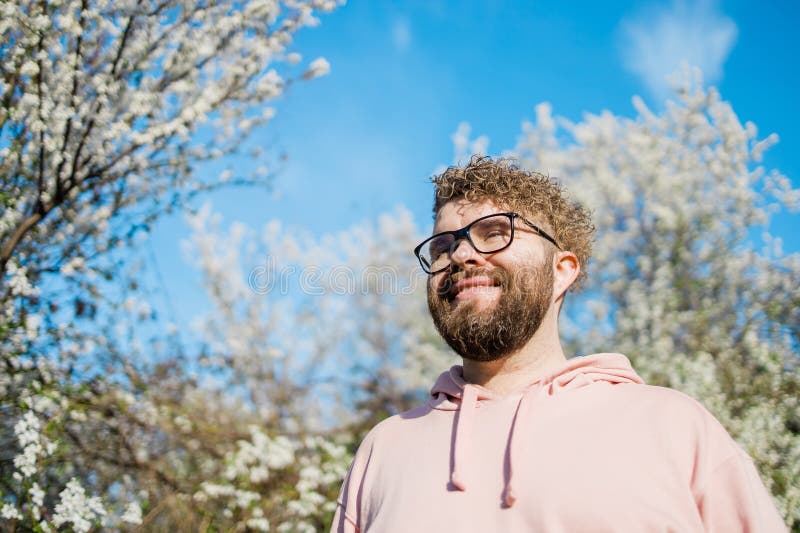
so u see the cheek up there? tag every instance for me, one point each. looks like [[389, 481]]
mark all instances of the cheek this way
[[523, 268], [511, 262], [439, 283]]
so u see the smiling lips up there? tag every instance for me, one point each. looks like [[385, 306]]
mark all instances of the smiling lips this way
[[473, 285]]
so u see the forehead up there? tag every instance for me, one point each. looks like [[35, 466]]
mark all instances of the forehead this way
[[456, 214]]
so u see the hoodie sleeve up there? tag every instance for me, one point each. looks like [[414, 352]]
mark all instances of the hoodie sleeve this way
[[735, 499], [345, 520], [348, 515], [730, 495], [343, 523]]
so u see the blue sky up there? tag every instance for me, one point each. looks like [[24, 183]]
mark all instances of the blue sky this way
[[366, 137]]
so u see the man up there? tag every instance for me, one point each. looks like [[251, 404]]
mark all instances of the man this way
[[520, 438]]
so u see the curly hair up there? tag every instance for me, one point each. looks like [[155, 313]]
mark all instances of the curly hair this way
[[539, 197]]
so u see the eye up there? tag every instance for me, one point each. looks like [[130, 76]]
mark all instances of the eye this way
[[492, 229], [440, 246]]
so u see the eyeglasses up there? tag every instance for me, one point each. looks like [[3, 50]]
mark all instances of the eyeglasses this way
[[487, 235]]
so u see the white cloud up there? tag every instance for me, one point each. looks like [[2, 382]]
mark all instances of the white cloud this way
[[656, 42], [464, 147], [401, 34]]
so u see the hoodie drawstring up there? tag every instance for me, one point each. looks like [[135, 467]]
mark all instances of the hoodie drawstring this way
[[463, 438], [508, 491], [463, 435], [516, 441]]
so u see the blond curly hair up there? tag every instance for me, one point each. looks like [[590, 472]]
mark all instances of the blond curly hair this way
[[532, 194]]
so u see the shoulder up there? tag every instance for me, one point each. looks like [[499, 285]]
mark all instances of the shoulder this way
[[658, 399], [680, 419], [402, 424], [677, 404], [678, 407]]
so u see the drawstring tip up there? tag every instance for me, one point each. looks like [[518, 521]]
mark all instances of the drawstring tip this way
[[455, 479], [510, 498]]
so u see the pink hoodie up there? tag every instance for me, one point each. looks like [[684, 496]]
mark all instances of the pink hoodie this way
[[588, 448]]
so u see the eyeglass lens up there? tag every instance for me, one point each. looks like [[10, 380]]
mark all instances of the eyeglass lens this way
[[487, 235]]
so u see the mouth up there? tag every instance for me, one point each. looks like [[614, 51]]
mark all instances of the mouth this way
[[473, 286]]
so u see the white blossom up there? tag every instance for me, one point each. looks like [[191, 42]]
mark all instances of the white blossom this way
[[76, 508], [33, 444], [318, 67], [9, 512], [132, 514], [258, 524], [37, 495]]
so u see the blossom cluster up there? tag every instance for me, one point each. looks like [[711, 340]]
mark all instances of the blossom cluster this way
[[309, 470], [72, 507], [106, 107]]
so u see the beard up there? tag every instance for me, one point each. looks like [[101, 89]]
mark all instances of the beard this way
[[501, 329]]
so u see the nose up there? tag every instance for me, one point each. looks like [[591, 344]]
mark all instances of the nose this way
[[465, 254]]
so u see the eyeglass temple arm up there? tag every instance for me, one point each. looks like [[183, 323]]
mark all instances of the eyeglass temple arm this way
[[540, 231]]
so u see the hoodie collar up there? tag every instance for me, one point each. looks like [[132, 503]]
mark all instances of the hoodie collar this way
[[452, 393]]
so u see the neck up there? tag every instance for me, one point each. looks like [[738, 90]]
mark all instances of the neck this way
[[541, 355]]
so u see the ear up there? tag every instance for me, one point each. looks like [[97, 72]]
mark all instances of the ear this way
[[566, 269]]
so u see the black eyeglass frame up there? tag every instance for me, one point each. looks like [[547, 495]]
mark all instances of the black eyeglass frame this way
[[464, 233]]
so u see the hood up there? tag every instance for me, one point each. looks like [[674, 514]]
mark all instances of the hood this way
[[452, 393]]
